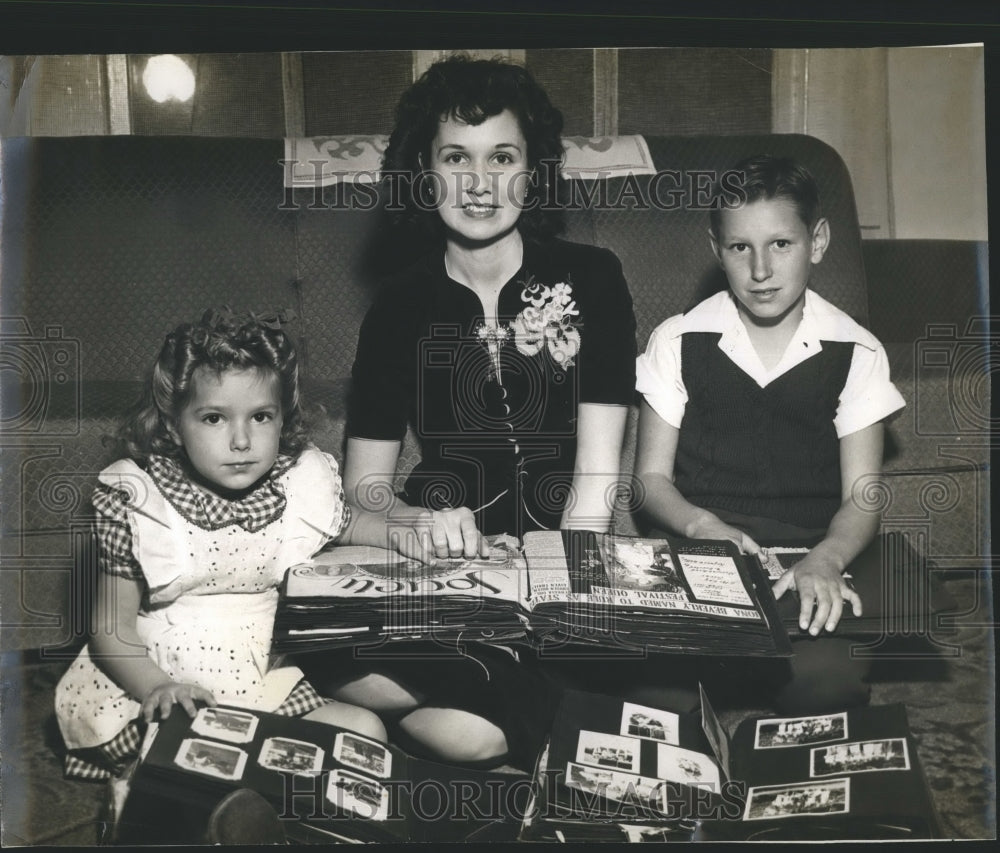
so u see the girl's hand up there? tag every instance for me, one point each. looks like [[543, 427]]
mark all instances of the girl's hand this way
[[164, 696], [819, 584], [709, 526]]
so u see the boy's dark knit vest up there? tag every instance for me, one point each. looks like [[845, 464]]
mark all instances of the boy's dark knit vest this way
[[771, 451]]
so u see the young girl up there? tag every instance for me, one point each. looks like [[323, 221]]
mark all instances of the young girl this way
[[220, 495]]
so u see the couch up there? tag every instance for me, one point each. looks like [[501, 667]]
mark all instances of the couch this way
[[107, 242]]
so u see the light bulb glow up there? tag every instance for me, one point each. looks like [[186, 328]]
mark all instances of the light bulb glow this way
[[168, 77]]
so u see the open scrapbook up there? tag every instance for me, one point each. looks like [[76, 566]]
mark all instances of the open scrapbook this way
[[615, 770], [327, 785], [571, 587]]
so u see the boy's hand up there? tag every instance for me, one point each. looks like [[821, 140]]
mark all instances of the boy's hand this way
[[710, 526], [819, 584], [164, 696]]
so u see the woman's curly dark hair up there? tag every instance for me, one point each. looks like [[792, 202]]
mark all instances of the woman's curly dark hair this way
[[473, 90], [221, 341]]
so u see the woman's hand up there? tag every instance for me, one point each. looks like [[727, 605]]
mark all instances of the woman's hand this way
[[453, 533], [710, 526], [164, 696], [438, 535], [821, 585]]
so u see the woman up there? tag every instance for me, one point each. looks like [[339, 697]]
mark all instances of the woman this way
[[511, 354]]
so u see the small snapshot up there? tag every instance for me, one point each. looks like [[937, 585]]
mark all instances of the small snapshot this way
[[606, 750], [859, 757], [804, 798], [291, 756], [800, 731], [649, 723], [225, 724], [363, 754], [211, 759], [364, 797]]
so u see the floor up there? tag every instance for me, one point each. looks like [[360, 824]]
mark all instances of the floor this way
[[948, 692]]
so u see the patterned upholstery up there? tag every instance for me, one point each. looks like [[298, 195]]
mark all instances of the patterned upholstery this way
[[915, 283], [108, 242], [123, 237], [928, 301]]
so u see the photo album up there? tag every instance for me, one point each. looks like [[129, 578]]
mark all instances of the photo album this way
[[326, 784], [617, 770], [666, 594]]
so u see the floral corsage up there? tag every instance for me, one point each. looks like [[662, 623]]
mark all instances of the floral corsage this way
[[548, 322]]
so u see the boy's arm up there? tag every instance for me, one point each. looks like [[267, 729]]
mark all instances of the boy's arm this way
[[116, 647], [819, 576], [656, 450]]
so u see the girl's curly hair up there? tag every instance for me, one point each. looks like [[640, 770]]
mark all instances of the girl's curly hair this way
[[221, 341], [473, 90]]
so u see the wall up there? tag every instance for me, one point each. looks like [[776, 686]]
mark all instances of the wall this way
[[602, 91], [937, 143], [909, 123]]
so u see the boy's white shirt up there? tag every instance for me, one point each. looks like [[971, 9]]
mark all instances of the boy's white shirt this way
[[868, 395]]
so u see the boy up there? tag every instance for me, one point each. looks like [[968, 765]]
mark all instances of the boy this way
[[763, 406]]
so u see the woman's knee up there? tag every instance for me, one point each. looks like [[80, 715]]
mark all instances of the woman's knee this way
[[455, 735], [351, 717], [378, 692]]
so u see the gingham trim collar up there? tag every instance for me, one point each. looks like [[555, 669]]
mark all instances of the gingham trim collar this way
[[211, 512]]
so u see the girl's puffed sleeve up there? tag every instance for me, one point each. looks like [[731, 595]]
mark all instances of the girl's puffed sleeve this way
[[383, 375], [316, 511], [343, 508], [608, 348], [114, 535]]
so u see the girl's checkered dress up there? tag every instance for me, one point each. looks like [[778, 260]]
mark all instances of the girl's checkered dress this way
[[210, 570]]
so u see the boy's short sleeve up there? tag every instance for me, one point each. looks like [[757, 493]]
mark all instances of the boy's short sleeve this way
[[658, 373], [869, 395]]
